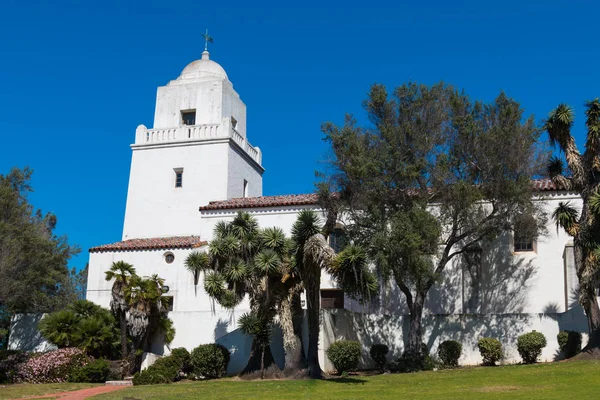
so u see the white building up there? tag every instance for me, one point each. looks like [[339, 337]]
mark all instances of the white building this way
[[196, 167]]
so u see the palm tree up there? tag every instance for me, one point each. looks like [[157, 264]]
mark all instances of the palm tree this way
[[349, 269], [246, 260], [196, 263], [147, 309], [122, 273], [582, 175]]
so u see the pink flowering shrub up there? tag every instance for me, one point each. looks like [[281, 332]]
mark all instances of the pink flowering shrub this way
[[51, 367]]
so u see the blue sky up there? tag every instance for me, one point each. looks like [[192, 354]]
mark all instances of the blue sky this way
[[79, 76]]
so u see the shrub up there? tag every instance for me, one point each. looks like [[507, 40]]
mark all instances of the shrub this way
[[449, 352], [410, 363], [344, 355], [378, 353], [164, 370], [569, 343], [52, 367], [94, 372], [10, 362], [185, 360], [490, 349], [210, 360], [530, 346]]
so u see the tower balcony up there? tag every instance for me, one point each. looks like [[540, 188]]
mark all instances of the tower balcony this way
[[195, 133]]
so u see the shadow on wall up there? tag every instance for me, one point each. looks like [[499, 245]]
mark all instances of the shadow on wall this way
[[24, 334], [239, 346], [483, 294]]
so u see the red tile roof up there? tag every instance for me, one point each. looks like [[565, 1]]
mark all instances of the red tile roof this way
[[175, 242], [541, 185], [263, 201]]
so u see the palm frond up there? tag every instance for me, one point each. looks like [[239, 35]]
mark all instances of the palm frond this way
[[267, 262], [274, 239], [559, 124], [197, 262], [306, 225], [594, 204], [566, 217], [214, 284], [555, 167]]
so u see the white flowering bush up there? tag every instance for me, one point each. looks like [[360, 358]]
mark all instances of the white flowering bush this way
[[51, 367]]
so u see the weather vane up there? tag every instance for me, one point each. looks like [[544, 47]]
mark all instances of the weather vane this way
[[207, 39]]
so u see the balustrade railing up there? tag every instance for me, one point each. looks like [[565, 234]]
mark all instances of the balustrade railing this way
[[195, 132]]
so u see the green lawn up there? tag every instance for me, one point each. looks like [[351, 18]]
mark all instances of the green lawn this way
[[27, 389], [564, 380]]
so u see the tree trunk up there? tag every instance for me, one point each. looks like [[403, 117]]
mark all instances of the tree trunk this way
[[415, 333], [592, 349], [123, 326], [291, 326], [257, 360], [313, 310]]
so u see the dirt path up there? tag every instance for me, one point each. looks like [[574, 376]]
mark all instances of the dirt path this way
[[79, 394]]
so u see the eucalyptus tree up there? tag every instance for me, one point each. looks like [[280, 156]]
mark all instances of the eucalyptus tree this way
[[122, 274], [430, 177], [582, 175]]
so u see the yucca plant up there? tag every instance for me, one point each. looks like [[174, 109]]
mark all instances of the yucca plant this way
[[121, 272], [580, 175]]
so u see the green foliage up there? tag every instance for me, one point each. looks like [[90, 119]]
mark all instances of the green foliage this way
[[490, 350], [569, 342], [344, 355], [95, 372], [378, 353], [183, 358], [530, 346], [85, 325], [411, 363], [449, 352], [210, 360], [33, 259]]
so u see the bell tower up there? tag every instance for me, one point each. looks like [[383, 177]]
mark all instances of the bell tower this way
[[196, 152]]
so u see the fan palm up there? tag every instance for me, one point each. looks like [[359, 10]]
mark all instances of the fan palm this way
[[581, 175], [122, 273]]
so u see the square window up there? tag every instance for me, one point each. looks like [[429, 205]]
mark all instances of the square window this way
[[188, 117], [524, 235], [332, 298]]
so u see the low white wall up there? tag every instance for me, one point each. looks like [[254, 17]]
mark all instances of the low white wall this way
[[24, 334], [467, 329]]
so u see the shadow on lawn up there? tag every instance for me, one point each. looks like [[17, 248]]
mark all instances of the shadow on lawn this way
[[346, 380]]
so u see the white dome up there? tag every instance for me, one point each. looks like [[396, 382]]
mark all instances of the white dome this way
[[204, 68]]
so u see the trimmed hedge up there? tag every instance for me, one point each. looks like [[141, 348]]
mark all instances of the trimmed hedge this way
[[569, 343], [95, 372], [378, 353], [344, 355], [530, 346], [490, 349], [409, 363], [449, 352], [210, 361], [164, 370]]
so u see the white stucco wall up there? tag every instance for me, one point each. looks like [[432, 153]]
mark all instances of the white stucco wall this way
[[155, 207]]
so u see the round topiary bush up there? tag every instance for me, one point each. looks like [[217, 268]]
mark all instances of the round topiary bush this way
[[210, 360], [530, 346], [449, 352], [490, 350], [344, 355], [569, 343], [378, 353], [94, 372]]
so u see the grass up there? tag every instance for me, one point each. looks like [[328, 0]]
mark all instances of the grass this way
[[27, 389], [574, 380]]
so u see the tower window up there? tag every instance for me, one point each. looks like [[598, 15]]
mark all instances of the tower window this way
[[245, 188], [233, 123], [188, 117], [178, 177]]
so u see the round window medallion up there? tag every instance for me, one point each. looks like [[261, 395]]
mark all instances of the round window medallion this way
[[169, 258]]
